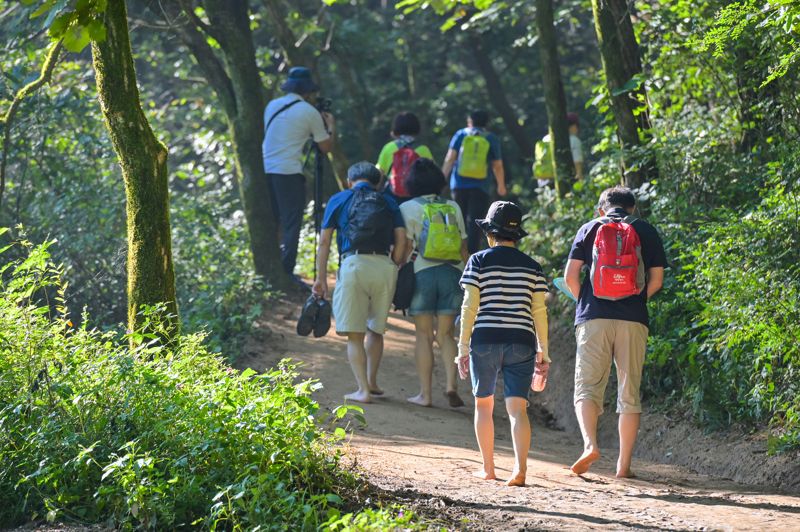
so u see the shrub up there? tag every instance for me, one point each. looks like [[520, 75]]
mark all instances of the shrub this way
[[91, 431]]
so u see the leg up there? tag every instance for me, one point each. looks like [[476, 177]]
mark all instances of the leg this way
[[423, 354], [374, 355], [629, 348], [628, 430], [478, 206], [484, 432], [290, 192], [449, 350], [588, 413], [595, 341], [358, 363], [517, 408]]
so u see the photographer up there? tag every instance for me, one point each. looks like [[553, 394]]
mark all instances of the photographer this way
[[289, 122]]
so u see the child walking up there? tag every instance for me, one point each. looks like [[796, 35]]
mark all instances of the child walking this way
[[503, 329]]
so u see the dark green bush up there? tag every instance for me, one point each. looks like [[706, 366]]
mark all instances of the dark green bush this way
[[157, 438]]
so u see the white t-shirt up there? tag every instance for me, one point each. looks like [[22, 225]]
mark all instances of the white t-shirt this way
[[412, 216], [282, 148]]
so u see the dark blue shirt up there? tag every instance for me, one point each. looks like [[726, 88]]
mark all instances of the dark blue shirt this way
[[338, 207], [632, 308], [459, 182]]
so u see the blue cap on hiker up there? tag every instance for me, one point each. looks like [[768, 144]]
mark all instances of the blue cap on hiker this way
[[504, 219], [299, 81]]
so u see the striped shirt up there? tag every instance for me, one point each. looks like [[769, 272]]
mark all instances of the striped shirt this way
[[507, 279]]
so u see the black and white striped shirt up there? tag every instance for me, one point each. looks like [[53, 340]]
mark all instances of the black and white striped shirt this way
[[507, 279]]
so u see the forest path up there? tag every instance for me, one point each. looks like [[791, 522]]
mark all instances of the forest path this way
[[426, 455]]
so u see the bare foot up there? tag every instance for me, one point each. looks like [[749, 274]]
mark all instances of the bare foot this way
[[583, 463], [358, 396], [625, 474], [374, 390], [484, 475], [418, 400], [454, 400], [518, 479]]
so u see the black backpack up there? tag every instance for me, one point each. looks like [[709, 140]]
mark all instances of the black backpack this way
[[370, 224]]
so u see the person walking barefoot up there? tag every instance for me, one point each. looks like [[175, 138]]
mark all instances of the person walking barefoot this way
[[436, 234], [503, 329]]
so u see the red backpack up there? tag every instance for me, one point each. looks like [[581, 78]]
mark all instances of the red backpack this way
[[617, 267], [402, 160]]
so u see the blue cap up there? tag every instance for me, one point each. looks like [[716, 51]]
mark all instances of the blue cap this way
[[299, 81]]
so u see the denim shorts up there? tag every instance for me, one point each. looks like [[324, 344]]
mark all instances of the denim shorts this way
[[437, 291], [516, 361]]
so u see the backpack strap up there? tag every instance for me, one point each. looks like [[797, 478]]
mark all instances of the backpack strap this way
[[279, 111]]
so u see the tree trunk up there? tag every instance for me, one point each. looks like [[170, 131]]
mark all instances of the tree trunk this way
[[497, 95], [238, 86], [621, 62], [554, 98], [143, 159]]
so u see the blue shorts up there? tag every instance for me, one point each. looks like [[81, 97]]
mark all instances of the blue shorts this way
[[437, 291], [516, 361]]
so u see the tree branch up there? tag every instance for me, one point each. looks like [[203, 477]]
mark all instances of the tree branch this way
[[46, 74]]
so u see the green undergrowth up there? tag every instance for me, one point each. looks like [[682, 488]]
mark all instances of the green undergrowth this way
[[92, 431]]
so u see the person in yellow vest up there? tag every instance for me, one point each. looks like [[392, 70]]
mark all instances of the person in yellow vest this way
[[543, 169]]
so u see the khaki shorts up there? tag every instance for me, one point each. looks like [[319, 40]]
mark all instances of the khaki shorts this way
[[363, 294], [599, 342]]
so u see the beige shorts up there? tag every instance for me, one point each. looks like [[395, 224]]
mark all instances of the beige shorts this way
[[599, 342], [363, 294]]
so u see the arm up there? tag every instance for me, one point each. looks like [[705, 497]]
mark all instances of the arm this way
[[539, 313], [572, 276], [500, 176], [578, 170], [329, 124], [449, 162], [469, 311], [464, 251], [398, 252], [655, 280], [320, 288], [409, 248]]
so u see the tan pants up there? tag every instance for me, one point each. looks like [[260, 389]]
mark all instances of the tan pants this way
[[599, 342]]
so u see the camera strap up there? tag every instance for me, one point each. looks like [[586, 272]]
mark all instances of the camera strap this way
[[279, 111]]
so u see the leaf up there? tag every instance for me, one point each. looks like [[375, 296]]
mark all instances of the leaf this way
[[339, 433], [632, 85], [97, 30], [44, 8], [76, 38]]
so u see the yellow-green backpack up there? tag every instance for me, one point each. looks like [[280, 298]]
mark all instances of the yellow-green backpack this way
[[440, 238]]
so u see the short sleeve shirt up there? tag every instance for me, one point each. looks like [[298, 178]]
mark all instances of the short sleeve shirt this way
[[282, 148], [507, 279], [459, 182], [632, 308], [336, 212], [387, 154], [412, 211]]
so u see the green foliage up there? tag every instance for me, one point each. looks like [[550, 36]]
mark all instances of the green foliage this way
[[392, 517], [155, 437]]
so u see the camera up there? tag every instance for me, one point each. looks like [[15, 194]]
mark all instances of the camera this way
[[324, 105]]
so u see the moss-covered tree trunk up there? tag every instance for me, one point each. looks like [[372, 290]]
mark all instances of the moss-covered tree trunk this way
[[554, 98], [143, 159], [621, 64], [238, 86], [498, 97]]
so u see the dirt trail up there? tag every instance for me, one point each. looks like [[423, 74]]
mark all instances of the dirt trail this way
[[427, 455]]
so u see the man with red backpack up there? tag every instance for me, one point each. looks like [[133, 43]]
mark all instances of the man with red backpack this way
[[625, 260]]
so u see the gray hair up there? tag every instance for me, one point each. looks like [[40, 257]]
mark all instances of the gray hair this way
[[364, 170]]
